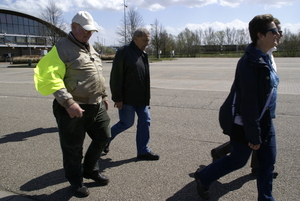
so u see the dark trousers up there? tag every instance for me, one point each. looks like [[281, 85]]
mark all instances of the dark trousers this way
[[95, 122], [240, 153], [224, 149]]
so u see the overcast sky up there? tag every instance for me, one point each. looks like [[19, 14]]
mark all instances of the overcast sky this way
[[173, 15]]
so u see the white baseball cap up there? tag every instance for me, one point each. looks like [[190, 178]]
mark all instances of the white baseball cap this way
[[85, 20]]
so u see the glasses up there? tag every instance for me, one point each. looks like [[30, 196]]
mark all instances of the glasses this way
[[85, 31], [274, 31]]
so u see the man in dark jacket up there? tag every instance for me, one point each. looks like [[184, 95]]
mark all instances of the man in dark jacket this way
[[130, 88]]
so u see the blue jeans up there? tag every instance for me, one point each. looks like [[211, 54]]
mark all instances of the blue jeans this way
[[126, 115], [238, 158]]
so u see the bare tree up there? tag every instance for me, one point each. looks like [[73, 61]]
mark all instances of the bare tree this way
[[156, 32], [53, 15], [191, 43], [199, 33], [132, 22], [209, 35], [230, 35], [242, 37], [220, 37]]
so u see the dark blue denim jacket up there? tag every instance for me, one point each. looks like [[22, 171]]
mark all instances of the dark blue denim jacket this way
[[252, 84]]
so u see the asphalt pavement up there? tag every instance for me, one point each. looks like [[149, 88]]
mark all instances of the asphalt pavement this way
[[185, 98]]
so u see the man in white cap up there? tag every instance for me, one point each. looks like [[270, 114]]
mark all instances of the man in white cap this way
[[72, 72]]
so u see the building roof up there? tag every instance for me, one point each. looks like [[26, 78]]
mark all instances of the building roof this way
[[23, 14]]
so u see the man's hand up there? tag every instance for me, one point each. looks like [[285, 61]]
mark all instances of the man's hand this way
[[106, 104], [75, 110], [254, 147], [118, 105]]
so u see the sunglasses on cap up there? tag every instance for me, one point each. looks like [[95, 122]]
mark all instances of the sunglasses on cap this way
[[274, 31]]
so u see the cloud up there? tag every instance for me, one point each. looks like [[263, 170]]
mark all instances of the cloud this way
[[152, 5], [293, 28], [156, 7], [271, 3], [217, 26], [106, 5], [232, 3]]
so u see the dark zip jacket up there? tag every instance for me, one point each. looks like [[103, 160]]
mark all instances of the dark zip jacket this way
[[252, 87], [129, 77]]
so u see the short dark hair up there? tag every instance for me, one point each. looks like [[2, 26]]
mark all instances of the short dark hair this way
[[259, 24]]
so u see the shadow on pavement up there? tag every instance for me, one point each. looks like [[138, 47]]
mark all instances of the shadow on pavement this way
[[217, 189], [58, 176], [108, 163], [49, 179], [21, 136], [63, 194]]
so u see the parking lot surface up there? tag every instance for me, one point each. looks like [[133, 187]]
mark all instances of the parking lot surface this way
[[185, 98]]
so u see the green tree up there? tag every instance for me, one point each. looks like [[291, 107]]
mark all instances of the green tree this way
[[290, 45]]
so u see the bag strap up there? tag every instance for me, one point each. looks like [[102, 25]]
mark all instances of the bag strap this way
[[267, 104], [233, 102], [265, 107]]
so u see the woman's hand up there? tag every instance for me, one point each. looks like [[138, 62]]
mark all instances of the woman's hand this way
[[254, 147]]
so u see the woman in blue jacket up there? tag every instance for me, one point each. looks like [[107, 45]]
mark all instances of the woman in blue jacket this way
[[254, 88]]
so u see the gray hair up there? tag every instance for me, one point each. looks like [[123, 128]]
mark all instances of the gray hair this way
[[140, 32]]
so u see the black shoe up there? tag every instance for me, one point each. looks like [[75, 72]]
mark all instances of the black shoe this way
[[97, 177], [148, 156], [106, 148], [202, 190], [81, 191]]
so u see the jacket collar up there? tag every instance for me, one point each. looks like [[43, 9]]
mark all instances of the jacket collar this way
[[256, 56], [74, 40], [136, 48]]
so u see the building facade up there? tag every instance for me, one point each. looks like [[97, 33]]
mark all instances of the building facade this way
[[23, 34]]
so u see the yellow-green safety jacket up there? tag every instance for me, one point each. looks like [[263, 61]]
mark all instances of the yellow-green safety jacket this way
[[71, 72]]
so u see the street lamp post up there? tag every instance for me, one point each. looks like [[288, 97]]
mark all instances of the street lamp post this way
[[125, 22]]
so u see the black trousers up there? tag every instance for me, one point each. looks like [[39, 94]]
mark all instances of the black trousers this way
[[224, 149], [96, 123]]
